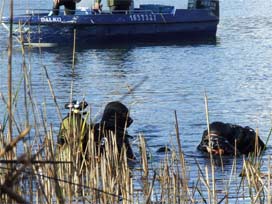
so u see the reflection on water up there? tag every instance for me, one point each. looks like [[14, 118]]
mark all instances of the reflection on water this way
[[82, 46]]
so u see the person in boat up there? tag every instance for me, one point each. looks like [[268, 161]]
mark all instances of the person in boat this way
[[74, 127], [200, 4], [69, 5], [230, 139], [97, 7], [114, 124]]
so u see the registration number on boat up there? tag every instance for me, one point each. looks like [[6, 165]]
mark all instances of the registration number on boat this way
[[142, 17]]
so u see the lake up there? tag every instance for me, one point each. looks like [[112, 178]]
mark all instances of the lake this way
[[234, 71]]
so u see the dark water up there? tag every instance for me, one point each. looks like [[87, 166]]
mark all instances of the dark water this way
[[234, 71]]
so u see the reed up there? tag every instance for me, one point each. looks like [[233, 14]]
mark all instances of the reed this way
[[73, 176], [69, 175], [44, 172]]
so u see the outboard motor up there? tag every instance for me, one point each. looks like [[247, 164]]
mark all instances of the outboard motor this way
[[205, 4]]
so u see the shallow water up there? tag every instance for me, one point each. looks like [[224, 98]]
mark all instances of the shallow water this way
[[234, 71]]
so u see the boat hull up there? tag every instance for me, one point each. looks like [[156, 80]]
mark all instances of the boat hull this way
[[121, 27]]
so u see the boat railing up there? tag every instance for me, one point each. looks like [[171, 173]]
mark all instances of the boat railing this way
[[88, 11], [134, 11], [32, 11]]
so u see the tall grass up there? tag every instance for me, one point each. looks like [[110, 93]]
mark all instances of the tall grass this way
[[65, 174], [50, 173]]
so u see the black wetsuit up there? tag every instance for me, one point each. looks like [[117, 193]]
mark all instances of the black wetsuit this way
[[114, 122], [224, 135], [70, 7]]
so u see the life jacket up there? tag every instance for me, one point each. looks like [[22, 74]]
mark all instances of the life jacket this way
[[73, 128]]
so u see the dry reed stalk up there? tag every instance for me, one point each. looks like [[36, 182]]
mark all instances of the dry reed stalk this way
[[256, 146], [92, 169], [52, 92], [144, 157], [14, 142], [25, 78], [164, 178], [255, 181], [175, 188], [232, 173], [73, 67], [12, 178], [42, 194], [74, 50], [268, 181], [5, 103], [51, 155], [184, 181], [125, 180], [148, 198], [2, 10], [145, 168], [214, 199], [12, 195], [27, 86], [248, 175], [106, 176], [207, 181], [9, 82], [105, 179]]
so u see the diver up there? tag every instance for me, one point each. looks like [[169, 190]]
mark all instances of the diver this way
[[230, 139], [114, 124], [69, 5], [74, 127]]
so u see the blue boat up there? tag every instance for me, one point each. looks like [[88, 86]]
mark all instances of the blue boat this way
[[147, 23]]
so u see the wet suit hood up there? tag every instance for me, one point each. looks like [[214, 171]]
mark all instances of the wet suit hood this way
[[115, 119], [116, 115]]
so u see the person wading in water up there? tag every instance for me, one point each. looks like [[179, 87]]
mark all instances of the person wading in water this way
[[230, 139], [74, 128], [113, 126]]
